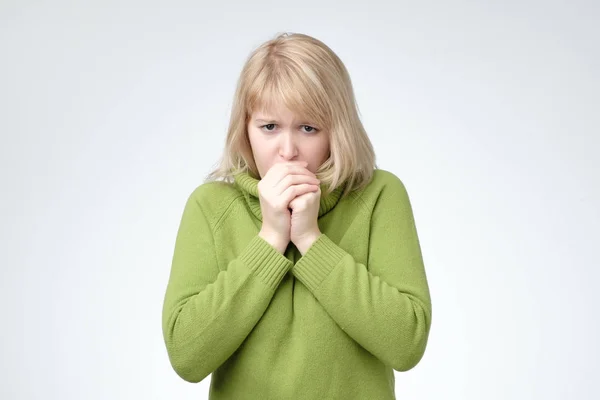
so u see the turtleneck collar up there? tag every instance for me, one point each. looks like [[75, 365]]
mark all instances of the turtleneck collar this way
[[248, 185]]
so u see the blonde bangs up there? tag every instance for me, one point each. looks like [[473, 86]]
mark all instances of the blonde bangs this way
[[284, 85]]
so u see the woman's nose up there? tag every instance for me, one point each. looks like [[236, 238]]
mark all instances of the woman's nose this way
[[287, 146]]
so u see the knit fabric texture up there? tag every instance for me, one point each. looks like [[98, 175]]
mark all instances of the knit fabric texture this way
[[332, 324]]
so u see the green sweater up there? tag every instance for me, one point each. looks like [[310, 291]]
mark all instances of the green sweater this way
[[332, 324]]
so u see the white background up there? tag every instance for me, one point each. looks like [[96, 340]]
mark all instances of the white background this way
[[111, 113]]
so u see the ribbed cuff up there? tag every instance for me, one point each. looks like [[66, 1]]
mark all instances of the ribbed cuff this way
[[318, 261], [265, 262]]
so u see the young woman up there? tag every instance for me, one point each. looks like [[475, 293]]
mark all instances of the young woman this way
[[297, 271]]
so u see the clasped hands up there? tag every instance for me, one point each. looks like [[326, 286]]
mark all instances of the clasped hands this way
[[290, 197]]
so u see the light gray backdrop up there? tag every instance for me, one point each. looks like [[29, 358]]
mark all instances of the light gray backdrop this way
[[112, 112]]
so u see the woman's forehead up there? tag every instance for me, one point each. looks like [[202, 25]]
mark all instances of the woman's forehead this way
[[277, 111], [273, 105]]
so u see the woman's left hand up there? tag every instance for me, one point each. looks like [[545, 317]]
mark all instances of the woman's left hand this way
[[304, 227]]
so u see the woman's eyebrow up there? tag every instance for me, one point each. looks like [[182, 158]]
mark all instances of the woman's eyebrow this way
[[272, 121]]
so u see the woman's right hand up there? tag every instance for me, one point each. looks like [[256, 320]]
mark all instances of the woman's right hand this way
[[282, 183]]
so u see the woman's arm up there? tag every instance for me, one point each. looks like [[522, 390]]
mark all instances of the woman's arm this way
[[208, 313], [387, 307]]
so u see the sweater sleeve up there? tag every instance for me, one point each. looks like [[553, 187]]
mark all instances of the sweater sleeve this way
[[207, 313], [386, 307]]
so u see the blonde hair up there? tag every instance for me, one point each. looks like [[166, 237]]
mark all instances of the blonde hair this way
[[308, 78]]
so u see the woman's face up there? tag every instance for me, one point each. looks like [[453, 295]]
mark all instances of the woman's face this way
[[277, 135]]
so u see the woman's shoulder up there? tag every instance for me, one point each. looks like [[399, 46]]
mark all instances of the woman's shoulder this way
[[383, 184], [214, 196], [384, 176], [213, 188], [383, 179]]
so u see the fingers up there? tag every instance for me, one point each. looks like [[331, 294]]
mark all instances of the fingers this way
[[281, 170], [286, 181], [294, 180], [297, 190]]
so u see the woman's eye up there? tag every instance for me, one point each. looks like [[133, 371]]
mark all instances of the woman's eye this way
[[307, 128]]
